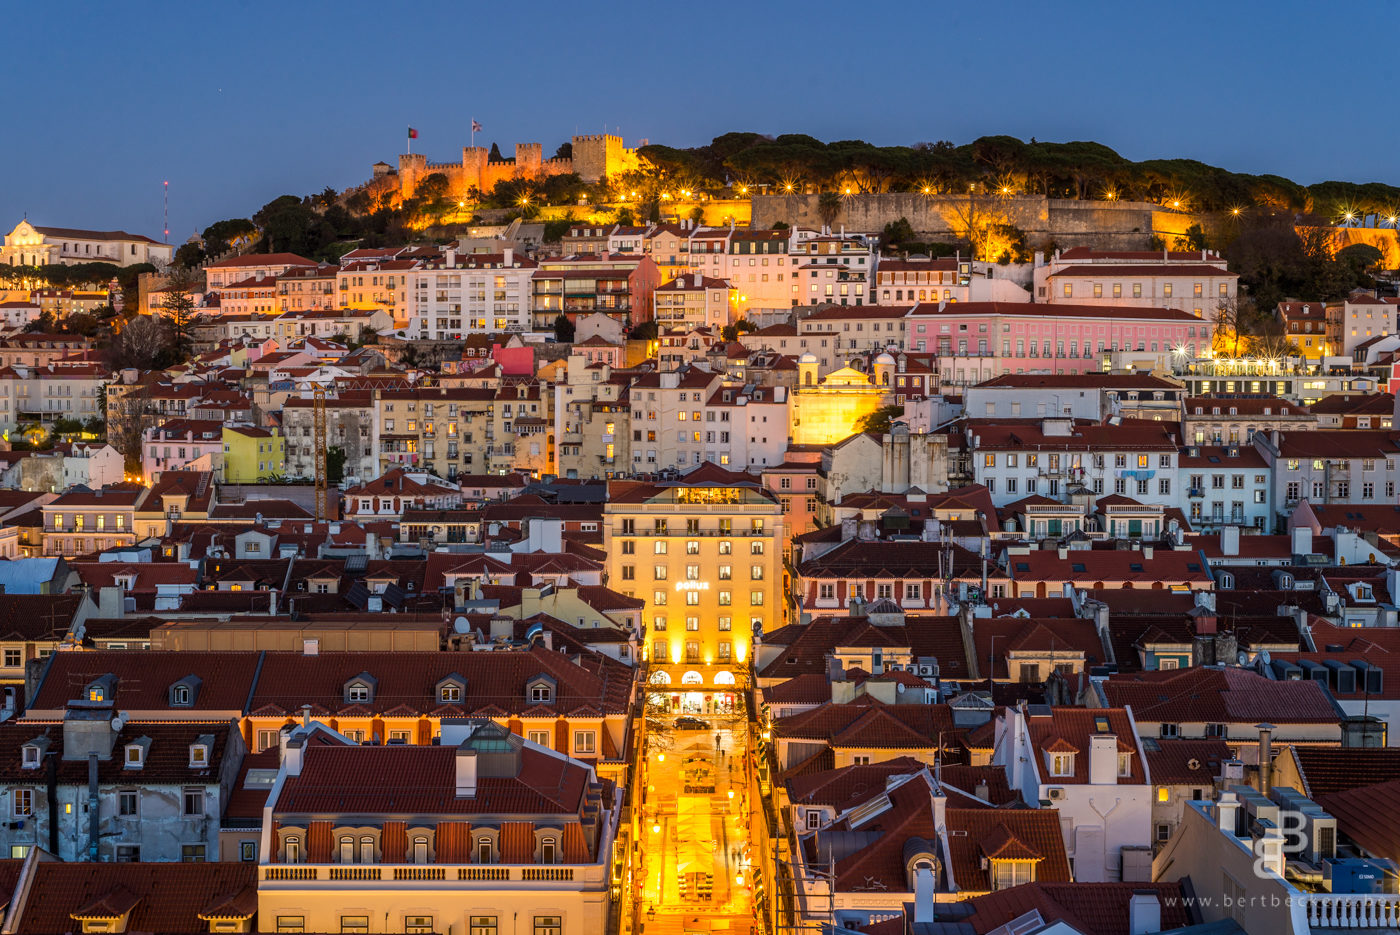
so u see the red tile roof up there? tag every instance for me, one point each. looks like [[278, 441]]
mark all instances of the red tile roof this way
[[1041, 310], [170, 898], [1070, 730], [1329, 770], [421, 780], [1229, 695], [871, 724], [41, 617], [1115, 270], [496, 683], [1097, 908], [144, 679], [167, 760], [1185, 762], [1369, 815], [261, 259]]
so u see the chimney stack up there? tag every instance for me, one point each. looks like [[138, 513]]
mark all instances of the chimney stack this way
[[1225, 809], [1266, 756], [466, 773], [1144, 913]]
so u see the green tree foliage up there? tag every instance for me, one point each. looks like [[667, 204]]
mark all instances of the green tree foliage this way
[[1193, 240], [643, 331], [1275, 263], [879, 420], [828, 207], [189, 255], [565, 151], [220, 236], [335, 464], [563, 329], [554, 231], [896, 233], [495, 154], [732, 332]]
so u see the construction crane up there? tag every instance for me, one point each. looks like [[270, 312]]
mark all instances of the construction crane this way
[[318, 418]]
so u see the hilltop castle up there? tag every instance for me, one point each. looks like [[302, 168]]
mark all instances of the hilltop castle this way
[[594, 157]]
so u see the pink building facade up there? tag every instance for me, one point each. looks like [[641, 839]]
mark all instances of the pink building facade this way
[[976, 341]]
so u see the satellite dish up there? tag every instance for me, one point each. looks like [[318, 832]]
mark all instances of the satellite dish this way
[[1264, 656], [1242, 657], [461, 625]]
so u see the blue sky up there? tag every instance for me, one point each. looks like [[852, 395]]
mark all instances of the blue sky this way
[[236, 102]]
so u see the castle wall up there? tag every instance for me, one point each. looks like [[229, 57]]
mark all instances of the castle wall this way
[[1102, 224]]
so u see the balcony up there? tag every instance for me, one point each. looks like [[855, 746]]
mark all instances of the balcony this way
[[414, 876], [1195, 492], [1353, 911]]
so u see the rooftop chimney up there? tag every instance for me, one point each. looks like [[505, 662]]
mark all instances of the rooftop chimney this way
[[1103, 760], [1144, 913], [1230, 540], [466, 773], [1266, 756], [508, 258], [1225, 810], [294, 754], [924, 896]]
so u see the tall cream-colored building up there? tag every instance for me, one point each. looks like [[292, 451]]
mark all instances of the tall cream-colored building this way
[[704, 552]]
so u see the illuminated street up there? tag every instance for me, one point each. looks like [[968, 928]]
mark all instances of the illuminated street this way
[[695, 830]]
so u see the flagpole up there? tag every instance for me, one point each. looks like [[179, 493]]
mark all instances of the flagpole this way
[[473, 133], [410, 142]]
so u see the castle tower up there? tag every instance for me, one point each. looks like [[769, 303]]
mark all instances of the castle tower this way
[[412, 167], [529, 160], [598, 155], [474, 165]]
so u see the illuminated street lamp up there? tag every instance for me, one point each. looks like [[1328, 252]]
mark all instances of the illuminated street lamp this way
[[656, 828]]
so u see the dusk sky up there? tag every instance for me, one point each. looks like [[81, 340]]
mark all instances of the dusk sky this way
[[237, 103]]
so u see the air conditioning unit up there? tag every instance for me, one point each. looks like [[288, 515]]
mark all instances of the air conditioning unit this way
[[1055, 793]]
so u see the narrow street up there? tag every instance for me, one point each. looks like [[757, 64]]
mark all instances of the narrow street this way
[[695, 866]]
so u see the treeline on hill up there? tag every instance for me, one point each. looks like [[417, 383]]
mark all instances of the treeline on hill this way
[[1082, 170]]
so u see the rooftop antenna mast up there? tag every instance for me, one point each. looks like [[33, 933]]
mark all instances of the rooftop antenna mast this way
[[165, 191]]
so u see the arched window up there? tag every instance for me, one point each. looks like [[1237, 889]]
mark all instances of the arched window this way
[[347, 849], [366, 850], [420, 850], [293, 847], [549, 848], [182, 694]]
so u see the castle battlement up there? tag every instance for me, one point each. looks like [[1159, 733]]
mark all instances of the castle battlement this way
[[595, 156]]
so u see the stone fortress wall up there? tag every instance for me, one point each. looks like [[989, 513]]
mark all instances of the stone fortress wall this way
[[1120, 225]]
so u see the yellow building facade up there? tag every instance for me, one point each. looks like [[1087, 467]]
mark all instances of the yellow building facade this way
[[827, 409], [704, 554], [253, 455]]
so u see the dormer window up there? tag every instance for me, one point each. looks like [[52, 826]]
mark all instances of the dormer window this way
[[549, 851], [1062, 764], [199, 756], [540, 690], [135, 755], [180, 695], [451, 689], [32, 756], [360, 689], [1125, 765]]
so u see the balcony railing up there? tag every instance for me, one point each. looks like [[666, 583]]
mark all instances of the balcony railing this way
[[416, 873], [1353, 911]]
